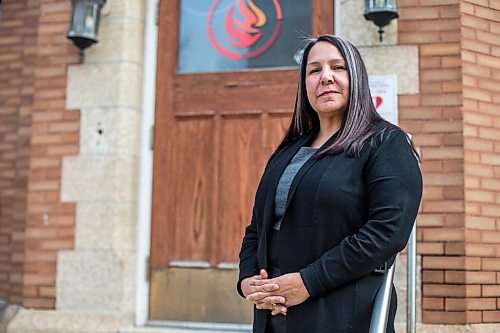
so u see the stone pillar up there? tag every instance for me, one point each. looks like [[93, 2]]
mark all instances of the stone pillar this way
[[98, 275]]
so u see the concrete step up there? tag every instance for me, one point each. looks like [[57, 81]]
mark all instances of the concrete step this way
[[400, 328], [170, 330], [7, 312], [49, 321], [187, 327], [46, 321]]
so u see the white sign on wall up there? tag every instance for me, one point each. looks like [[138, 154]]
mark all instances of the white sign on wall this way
[[385, 96]]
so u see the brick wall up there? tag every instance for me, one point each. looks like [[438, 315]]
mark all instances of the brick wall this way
[[36, 131], [434, 117], [55, 133], [18, 28], [481, 112], [456, 123]]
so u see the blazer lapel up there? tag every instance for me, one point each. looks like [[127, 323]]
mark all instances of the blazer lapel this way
[[302, 171], [275, 175]]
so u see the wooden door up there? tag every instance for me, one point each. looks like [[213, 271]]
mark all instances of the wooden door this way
[[213, 135]]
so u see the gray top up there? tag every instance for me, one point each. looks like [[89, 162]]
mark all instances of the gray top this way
[[286, 180]]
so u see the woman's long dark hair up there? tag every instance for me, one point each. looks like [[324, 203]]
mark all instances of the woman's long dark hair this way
[[360, 117]]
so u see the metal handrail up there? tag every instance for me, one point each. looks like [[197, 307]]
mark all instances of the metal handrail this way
[[382, 304], [411, 282]]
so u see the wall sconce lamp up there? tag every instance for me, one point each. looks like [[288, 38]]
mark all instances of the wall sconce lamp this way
[[381, 12], [84, 24]]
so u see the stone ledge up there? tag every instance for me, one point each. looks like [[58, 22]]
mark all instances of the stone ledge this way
[[485, 328], [50, 321], [7, 313]]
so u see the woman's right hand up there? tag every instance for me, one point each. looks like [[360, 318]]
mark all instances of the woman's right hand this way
[[248, 289], [263, 295]]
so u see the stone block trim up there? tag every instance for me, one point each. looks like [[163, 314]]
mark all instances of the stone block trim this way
[[18, 31], [95, 282], [361, 32]]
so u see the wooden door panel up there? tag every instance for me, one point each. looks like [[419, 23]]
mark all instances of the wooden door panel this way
[[322, 13], [238, 93], [242, 160], [249, 77], [276, 125], [190, 205]]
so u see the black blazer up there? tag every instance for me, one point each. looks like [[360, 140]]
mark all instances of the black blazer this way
[[345, 216]]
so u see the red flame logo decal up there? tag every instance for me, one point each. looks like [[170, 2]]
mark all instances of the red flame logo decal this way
[[241, 34]]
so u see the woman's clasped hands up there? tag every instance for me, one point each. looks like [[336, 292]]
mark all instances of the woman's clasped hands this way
[[275, 294]]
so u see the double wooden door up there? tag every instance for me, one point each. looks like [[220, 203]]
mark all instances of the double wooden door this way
[[213, 135]]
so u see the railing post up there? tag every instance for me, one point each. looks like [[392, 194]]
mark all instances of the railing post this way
[[411, 284], [382, 304]]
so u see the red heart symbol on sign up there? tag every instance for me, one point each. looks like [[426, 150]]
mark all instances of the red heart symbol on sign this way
[[378, 101]]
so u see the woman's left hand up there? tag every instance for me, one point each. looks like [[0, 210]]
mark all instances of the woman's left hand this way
[[291, 287], [276, 308]]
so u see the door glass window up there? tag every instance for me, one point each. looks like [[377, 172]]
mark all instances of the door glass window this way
[[224, 35]]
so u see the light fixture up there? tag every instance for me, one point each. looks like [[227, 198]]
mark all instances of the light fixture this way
[[84, 24], [381, 12]]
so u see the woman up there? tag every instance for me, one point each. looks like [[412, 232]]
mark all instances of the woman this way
[[337, 201]]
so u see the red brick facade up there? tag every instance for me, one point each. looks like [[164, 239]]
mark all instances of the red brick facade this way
[[434, 117], [36, 131], [455, 122], [481, 111], [18, 31]]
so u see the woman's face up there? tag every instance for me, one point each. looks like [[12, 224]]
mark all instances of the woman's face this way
[[327, 80]]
